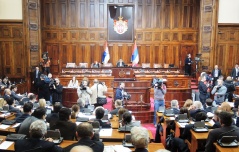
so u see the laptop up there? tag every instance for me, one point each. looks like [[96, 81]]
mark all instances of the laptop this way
[[182, 118], [127, 141], [169, 113], [161, 109], [55, 135], [228, 141], [200, 127]]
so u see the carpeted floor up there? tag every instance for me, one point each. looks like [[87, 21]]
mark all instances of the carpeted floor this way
[[149, 126]]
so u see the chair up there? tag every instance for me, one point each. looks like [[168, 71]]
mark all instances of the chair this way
[[166, 65], [145, 65], [158, 65], [70, 65], [83, 65]]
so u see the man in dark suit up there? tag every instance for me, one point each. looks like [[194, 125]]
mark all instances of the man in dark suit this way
[[227, 129], [66, 127], [44, 89], [14, 94], [235, 72], [36, 77], [119, 93], [188, 63], [99, 114], [84, 133], [7, 94], [57, 91], [215, 74], [120, 63], [208, 105], [10, 102], [27, 109], [203, 88], [35, 143]]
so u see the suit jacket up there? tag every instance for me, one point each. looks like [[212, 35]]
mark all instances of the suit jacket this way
[[103, 124], [194, 112], [118, 64], [219, 98], [202, 90], [219, 72], [16, 96], [35, 143], [36, 77], [233, 73], [208, 109], [118, 94], [67, 129], [52, 118], [44, 90], [217, 133], [188, 60], [97, 146], [21, 118], [115, 111], [25, 125], [57, 94]]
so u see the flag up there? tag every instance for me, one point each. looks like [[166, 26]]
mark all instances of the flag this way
[[135, 55], [106, 55]]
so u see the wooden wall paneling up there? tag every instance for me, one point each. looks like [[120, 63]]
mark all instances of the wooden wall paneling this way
[[81, 14], [157, 16], [18, 61], [63, 13], [148, 14], [1, 58], [102, 14], [139, 15], [73, 11]]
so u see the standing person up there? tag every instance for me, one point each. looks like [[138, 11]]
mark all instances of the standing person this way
[[46, 65], [235, 72], [44, 89], [219, 92], [119, 93], [159, 93], [188, 63], [84, 92], [98, 90], [36, 78], [203, 87], [73, 83], [215, 74], [57, 91]]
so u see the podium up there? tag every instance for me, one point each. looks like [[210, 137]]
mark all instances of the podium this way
[[123, 74]]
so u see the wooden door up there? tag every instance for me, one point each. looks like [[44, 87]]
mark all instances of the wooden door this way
[[53, 53]]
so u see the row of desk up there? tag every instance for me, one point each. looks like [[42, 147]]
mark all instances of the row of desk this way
[[195, 136]]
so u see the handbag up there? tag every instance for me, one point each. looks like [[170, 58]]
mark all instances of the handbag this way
[[100, 100], [169, 140]]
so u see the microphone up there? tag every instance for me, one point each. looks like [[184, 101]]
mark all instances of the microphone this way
[[225, 133]]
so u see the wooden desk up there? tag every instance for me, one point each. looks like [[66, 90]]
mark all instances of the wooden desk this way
[[222, 149], [195, 138], [151, 147], [118, 136], [114, 122], [11, 116], [167, 120], [8, 130]]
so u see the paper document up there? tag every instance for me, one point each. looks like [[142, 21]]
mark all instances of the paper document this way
[[116, 148], [6, 144], [182, 125], [105, 132], [16, 125], [2, 126]]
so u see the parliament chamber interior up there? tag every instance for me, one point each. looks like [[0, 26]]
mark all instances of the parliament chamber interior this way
[[138, 75]]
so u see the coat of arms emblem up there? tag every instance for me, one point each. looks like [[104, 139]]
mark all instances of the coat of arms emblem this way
[[120, 26]]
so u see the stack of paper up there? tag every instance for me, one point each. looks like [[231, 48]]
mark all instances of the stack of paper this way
[[6, 144], [116, 148], [106, 132]]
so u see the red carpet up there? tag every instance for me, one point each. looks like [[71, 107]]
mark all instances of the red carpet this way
[[149, 126]]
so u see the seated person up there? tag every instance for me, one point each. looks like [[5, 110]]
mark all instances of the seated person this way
[[175, 106], [10, 102], [7, 94], [27, 111], [66, 127], [81, 149], [208, 105], [36, 142], [178, 144], [216, 119], [140, 139], [118, 105], [14, 94], [121, 112], [2, 103], [53, 117], [84, 134], [196, 108], [96, 64], [120, 63], [184, 110], [75, 109], [188, 103], [73, 83], [225, 119], [127, 124], [38, 114], [81, 104], [99, 114]]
